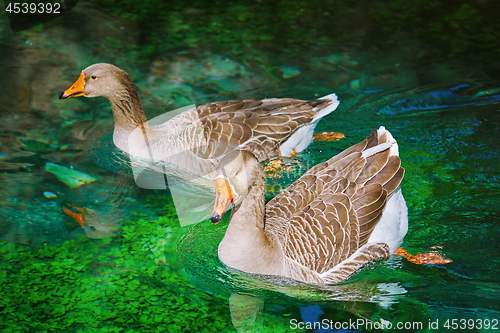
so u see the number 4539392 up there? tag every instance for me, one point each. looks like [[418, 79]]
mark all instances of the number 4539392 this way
[[454, 324], [32, 8]]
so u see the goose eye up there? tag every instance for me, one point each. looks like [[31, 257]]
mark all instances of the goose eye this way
[[236, 174], [93, 77], [92, 228]]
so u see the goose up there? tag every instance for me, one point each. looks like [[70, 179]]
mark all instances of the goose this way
[[196, 140], [337, 217]]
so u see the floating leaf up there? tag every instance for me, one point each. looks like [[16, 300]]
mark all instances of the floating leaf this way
[[70, 177]]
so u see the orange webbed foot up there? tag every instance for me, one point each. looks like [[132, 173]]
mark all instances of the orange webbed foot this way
[[429, 258], [273, 166], [328, 136], [77, 216], [276, 168]]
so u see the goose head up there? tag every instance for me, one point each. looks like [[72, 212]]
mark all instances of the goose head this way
[[99, 80], [238, 171]]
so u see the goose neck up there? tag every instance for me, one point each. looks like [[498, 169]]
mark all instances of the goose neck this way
[[127, 109], [246, 246], [128, 115]]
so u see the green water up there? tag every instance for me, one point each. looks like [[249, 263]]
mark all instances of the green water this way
[[451, 189], [428, 72]]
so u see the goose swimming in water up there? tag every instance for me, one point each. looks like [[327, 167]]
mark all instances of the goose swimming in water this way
[[337, 217]]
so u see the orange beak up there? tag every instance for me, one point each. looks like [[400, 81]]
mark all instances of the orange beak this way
[[77, 216], [75, 90], [223, 197]]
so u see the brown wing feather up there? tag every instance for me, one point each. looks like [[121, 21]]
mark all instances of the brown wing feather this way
[[226, 106], [258, 126], [374, 164], [386, 173], [371, 252], [392, 184], [319, 168], [335, 205], [314, 211], [372, 139], [368, 202]]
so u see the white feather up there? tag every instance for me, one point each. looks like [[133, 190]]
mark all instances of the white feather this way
[[304, 135]]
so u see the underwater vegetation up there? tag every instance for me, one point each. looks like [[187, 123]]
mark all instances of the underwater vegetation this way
[[111, 285], [451, 26], [247, 30], [232, 28]]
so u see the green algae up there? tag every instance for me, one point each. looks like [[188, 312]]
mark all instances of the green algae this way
[[111, 285], [235, 29], [251, 31], [451, 26]]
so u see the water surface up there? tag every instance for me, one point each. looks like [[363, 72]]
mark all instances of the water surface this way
[[439, 101]]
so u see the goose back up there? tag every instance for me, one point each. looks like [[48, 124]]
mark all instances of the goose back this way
[[325, 219]]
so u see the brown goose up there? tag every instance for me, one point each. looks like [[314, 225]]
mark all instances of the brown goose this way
[[338, 216], [268, 128]]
